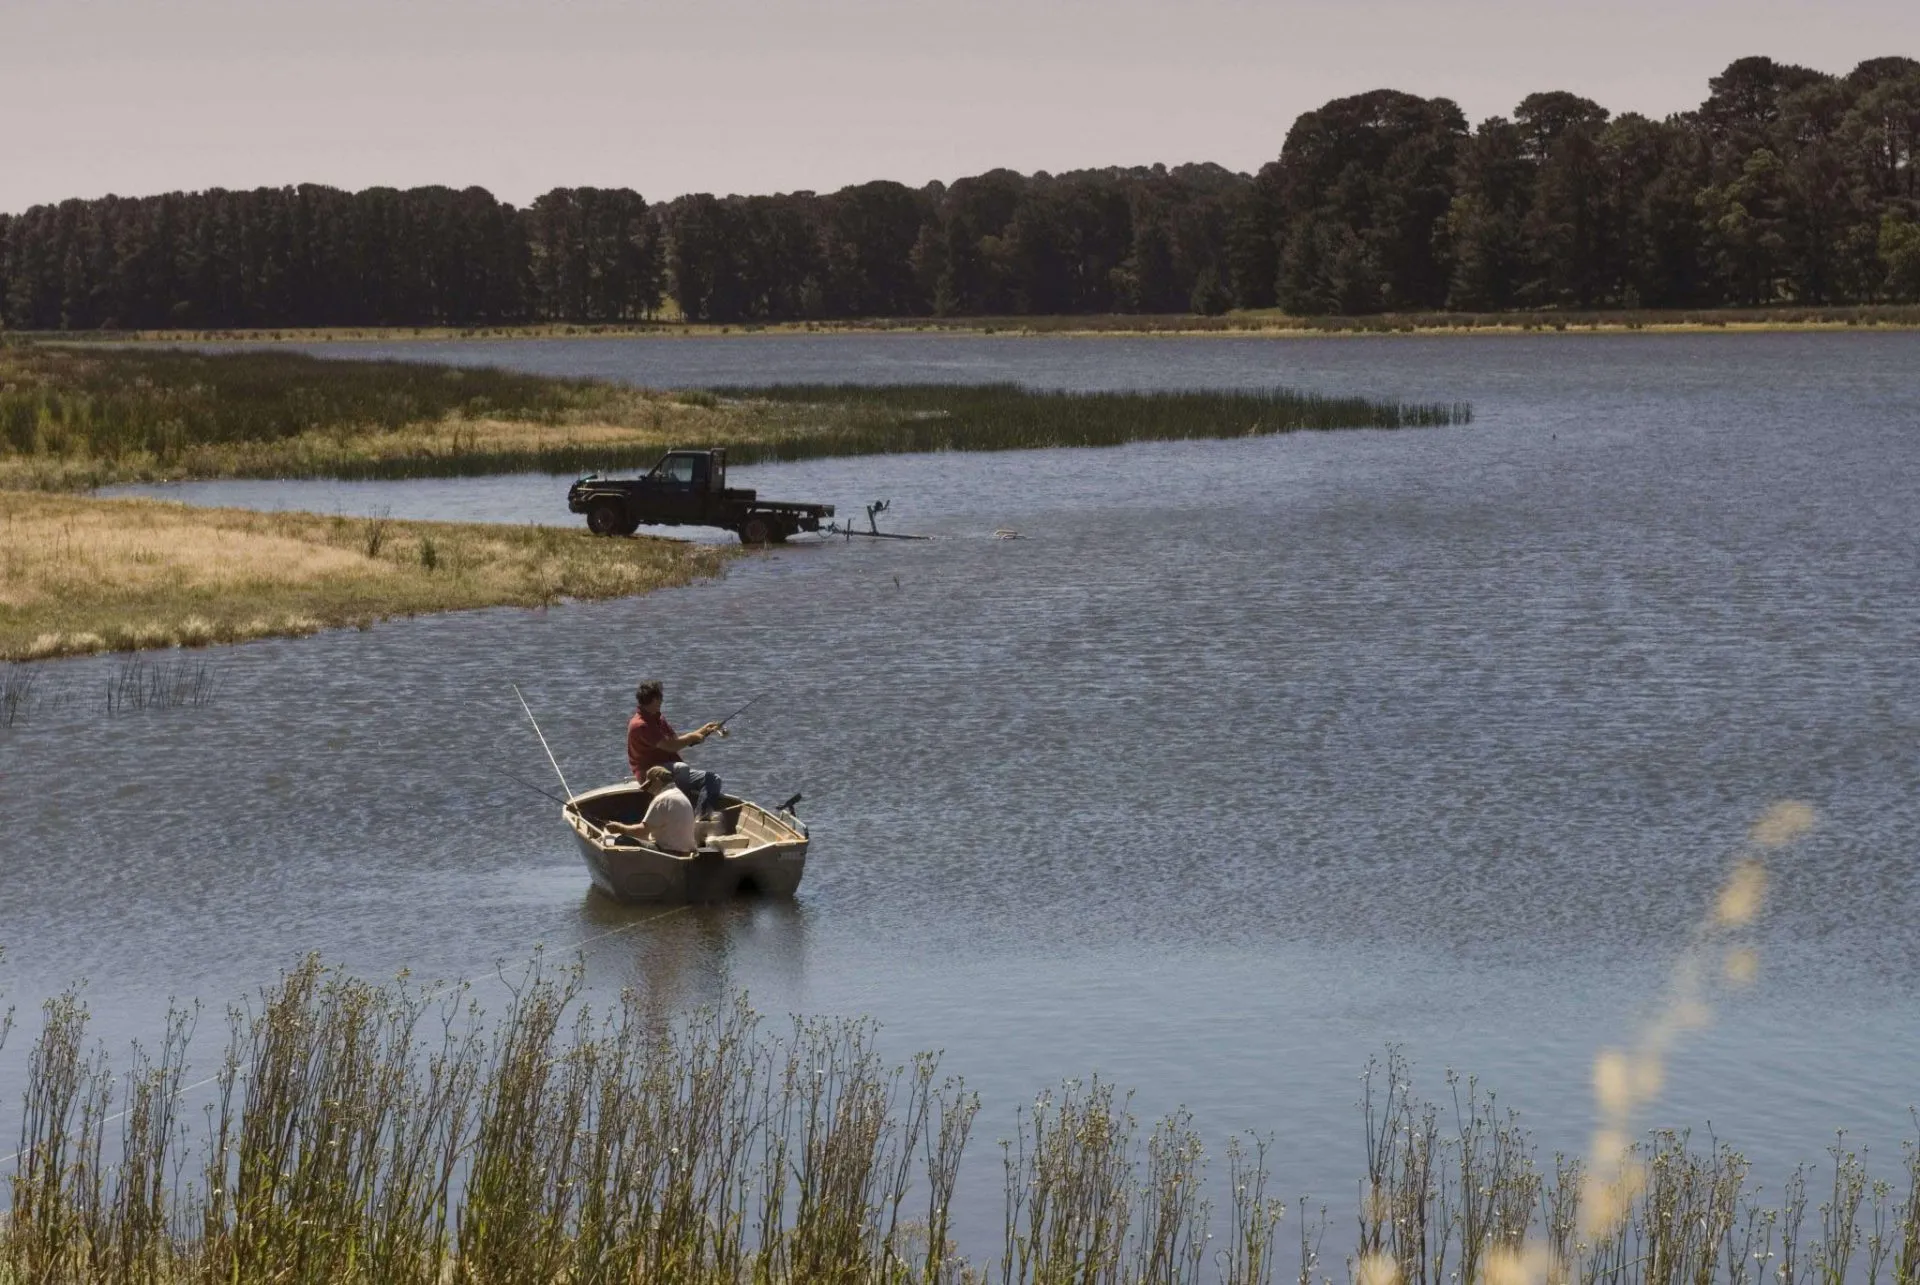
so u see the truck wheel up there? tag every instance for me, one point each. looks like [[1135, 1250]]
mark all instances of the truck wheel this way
[[756, 531], [608, 517]]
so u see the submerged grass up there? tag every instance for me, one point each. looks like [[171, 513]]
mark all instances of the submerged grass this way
[[89, 415], [142, 684], [361, 1133], [81, 575], [136, 684], [16, 691]]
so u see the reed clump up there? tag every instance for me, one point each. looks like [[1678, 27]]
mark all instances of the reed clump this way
[[383, 1134], [351, 1132], [17, 683], [1458, 1194], [80, 575], [144, 684], [135, 684], [86, 416]]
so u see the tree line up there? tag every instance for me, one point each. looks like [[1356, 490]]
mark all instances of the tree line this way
[[1786, 185]]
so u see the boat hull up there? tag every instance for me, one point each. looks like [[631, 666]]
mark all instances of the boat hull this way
[[764, 854]]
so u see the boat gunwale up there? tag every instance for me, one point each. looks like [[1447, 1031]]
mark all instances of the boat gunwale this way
[[588, 832]]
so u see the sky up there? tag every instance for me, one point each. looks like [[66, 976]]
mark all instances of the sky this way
[[135, 97]]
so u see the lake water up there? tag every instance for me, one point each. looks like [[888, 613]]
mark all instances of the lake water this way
[[1249, 759]]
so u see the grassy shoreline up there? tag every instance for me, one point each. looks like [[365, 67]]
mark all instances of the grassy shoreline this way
[[80, 574], [1267, 323], [74, 418]]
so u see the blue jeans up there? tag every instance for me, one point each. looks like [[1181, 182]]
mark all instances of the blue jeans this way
[[701, 788]]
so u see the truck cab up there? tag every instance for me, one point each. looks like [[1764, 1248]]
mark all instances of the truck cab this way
[[679, 488]]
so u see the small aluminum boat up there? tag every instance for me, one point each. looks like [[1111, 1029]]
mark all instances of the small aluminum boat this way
[[745, 850]]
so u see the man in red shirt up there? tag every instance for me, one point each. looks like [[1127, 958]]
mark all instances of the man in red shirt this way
[[652, 742]]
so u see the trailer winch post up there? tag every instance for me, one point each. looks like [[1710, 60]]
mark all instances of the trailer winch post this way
[[873, 531]]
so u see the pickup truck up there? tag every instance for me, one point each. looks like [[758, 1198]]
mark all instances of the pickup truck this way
[[689, 488]]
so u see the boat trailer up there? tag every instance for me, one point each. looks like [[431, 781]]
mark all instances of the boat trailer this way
[[873, 531]]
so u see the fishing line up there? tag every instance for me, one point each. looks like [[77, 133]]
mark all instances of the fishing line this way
[[540, 790]]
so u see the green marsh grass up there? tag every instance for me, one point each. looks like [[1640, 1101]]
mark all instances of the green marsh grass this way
[[75, 416], [796, 422], [350, 1132], [859, 419], [159, 401], [89, 415]]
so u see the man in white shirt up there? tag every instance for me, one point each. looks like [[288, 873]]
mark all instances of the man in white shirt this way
[[668, 824]]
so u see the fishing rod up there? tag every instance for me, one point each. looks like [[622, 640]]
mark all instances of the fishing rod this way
[[543, 743], [567, 804], [738, 712]]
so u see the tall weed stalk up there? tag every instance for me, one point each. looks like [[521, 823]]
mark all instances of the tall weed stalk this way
[[381, 1134]]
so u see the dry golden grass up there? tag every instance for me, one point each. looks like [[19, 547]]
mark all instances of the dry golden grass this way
[[640, 420], [81, 575], [450, 447]]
